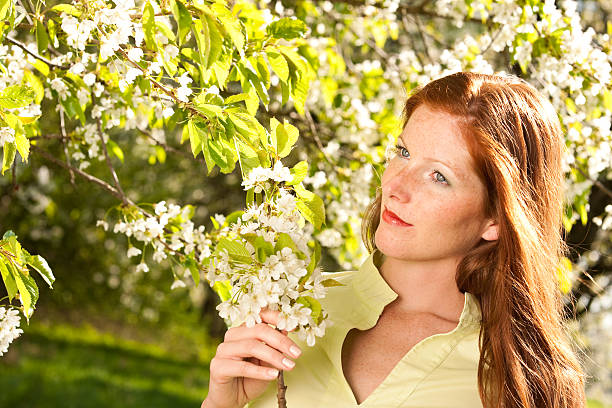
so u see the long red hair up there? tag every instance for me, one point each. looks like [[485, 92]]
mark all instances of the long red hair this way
[[527, 359]]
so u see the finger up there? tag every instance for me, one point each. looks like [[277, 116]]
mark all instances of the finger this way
[[254, 348], [270, 316], [268, 335], [223, 370]]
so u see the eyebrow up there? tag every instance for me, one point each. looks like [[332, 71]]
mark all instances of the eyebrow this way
[[454, 169]]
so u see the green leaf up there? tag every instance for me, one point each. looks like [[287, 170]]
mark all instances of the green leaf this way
[[202, 35], [287, 28], [28, 292], [7, 277], [310, 206], [236, 250], [223, 289], [42, 38], [195, 137], [313, 305], [328, 283], [233, 217], [284, 241], [299, 173], [235, 98], [263, 249], [285, 91], [73, 108], [248, 158], [315, 258], [215, 223], [6, 8], [66, 8], [16, 96], [230, 24], [222, 155], [192, 265], [10, 151], [165, 30], [278, 64], [262, 69], [9, 234], [22, 144], [148, 26], [216, 41], [42, 267], [252, 101], [211, 111], [183, 20], [36, 85], [288, 140], [42, 67], [115, 149]]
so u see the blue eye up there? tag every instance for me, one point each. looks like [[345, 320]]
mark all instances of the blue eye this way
[[439, 177], [401, 149]]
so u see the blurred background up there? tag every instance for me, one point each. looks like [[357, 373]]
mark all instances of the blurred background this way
[[107, 336]]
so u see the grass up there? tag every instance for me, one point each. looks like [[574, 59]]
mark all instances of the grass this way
[[55, 365], [64, 366]]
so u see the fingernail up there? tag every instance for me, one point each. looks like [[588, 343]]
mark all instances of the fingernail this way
[[273, 373], [295, 351], [288, 363]]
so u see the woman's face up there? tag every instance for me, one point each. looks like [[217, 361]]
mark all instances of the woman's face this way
[[430, 185]]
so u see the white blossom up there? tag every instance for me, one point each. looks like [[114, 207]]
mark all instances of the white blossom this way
[[9, 327]]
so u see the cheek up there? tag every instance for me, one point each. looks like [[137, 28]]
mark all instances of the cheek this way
[[455, 212]]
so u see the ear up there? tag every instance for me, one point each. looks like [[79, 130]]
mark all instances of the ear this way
[[491, 231]]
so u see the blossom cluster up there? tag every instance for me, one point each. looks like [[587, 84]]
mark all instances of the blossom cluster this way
[[279, 282], [9, 327], [152, 230]]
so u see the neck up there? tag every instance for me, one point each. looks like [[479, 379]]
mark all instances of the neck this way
[[424, 287]]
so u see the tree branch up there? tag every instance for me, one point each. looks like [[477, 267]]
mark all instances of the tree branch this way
[[315, 134], [108, 161], [63, 140], [35, 55], [27, 14], [595, 182], [81, 173]]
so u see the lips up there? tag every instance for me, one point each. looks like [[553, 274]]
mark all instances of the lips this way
[[392, 218]]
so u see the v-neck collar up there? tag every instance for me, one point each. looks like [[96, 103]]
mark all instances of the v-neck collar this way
[[360, 306]]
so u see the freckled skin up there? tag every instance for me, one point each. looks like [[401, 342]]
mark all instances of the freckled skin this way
[[420, 265], [447, 220]]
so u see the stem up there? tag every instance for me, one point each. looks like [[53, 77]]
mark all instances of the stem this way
[[35, 55], [282, 402]]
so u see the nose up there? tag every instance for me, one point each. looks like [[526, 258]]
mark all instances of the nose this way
[[396, 183]]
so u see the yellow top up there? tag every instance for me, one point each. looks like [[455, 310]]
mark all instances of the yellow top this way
[[439, 371]]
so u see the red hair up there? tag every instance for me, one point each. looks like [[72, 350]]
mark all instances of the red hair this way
[[526, 356]]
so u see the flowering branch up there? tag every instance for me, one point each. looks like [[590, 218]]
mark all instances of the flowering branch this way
[[108, 161], [81, 173], [63, 140], [35, 55]]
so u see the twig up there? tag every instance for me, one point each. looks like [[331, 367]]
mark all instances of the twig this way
[[14, 177], [425, 46], [81, 173], [35, 55], [108, 161], [406, 25], [162, 144], [493, 40], [27, 15], [315, 134], [63, 140], [595, 182]]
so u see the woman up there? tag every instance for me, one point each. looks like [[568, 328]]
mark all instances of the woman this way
[[458, 304]]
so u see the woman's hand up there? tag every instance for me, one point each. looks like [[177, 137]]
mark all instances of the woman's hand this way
[[246, 362]]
